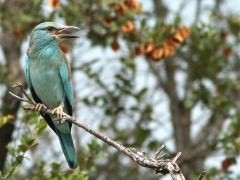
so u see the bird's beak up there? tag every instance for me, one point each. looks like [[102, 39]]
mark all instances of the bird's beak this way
[[66, 32]]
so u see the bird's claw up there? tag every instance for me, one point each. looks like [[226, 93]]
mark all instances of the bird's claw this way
[[58, 112], [61, 121], [39, 107]]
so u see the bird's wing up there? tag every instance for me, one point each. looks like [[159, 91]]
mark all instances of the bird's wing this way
[[65, 73], [34, 95], [26, 71], [29, 82]]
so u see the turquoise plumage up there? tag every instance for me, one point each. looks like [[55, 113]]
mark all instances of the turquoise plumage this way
[[48, 76]]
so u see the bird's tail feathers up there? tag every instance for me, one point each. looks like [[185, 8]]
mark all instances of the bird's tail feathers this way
[[68, 149]]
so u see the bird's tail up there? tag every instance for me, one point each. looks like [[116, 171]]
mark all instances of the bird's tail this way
[[68, 149]]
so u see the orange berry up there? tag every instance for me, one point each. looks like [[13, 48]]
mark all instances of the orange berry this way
[[134, 5], [171, 50], [120, 9], [227, 52], [115, 46], [128, 26], [148, 55], [137, 51], [166, 50], [109, 19], [147, 47], [17, 34], [128, 2], [157, 53], [177, 38], [64, 47], [54, 3], [223, 34], [227, 163], [169, 42], [184, 31]]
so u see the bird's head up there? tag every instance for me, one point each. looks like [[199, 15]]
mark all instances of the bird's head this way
[[52, 33]]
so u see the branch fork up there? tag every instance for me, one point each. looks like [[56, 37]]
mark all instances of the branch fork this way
[[156, 163]]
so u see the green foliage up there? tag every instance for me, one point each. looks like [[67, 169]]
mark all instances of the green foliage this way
[[218, 174], [56, 173], [26, 142], [234, 24], [5, 119], [231, 139], [28, 16], [89, 154], [205, 41]]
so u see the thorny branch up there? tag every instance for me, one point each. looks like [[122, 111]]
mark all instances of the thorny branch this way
[[156, 162]]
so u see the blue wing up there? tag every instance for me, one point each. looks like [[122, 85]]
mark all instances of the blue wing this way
[[26, 72], [65, 73]]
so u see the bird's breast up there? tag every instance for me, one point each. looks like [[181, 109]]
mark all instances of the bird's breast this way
[[47, 84]]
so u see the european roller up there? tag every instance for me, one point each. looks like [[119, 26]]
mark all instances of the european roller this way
[[48, 77]]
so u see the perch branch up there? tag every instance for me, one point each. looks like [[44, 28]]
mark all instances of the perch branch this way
[[155, 163]]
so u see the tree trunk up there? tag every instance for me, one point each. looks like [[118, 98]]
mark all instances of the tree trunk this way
[[12, 52]]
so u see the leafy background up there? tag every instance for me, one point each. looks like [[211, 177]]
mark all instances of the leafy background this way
[[144, 73]]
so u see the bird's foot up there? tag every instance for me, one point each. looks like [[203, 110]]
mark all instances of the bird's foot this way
[[38, 107], [59, 113]]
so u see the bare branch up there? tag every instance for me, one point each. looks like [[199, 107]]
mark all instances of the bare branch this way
[[156, 155], [159, 166], [176, 157], [201, 176], [30, 100], [21, 99]]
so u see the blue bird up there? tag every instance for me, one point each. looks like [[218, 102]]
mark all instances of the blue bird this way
[[48, 77]]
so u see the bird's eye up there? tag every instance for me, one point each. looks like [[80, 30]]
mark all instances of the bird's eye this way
[[49, 28]]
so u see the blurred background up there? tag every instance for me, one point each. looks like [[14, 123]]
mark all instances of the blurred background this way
[[144, 73]]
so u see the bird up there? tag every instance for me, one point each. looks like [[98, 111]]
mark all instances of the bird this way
[[48, 76]]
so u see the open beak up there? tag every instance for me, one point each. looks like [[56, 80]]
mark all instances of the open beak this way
[[66, 32]]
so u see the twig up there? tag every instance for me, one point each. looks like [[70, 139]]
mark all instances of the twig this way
[[200, 177], [21, 99], [159, 151], [159, 166], [11, 171], [176, 157], [30, 100]]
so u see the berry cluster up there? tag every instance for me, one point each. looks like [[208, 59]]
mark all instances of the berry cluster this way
[[156, 52]]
